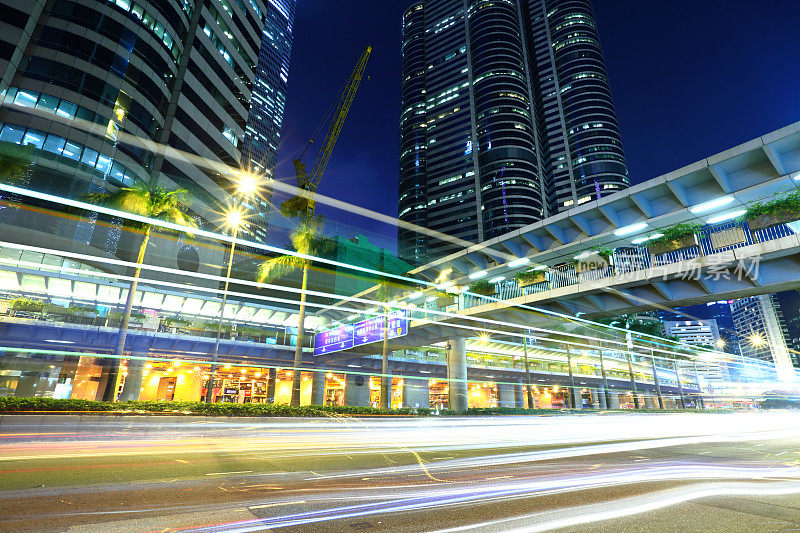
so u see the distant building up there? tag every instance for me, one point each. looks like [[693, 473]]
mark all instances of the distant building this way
[[263, 132], [762, 331], [789, 306], [358, 251], [694, 332], [506, 118], [719, 312]]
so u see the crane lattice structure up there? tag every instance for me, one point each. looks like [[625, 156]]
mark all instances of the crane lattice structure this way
[[303, 205]]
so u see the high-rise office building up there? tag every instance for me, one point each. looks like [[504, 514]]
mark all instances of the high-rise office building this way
[[762, 331], [263, 132], [92, 86], [694, 332], [506, 118], [719, 312]]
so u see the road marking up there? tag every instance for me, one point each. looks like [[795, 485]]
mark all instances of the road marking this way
[[276, 504], [226, 473]]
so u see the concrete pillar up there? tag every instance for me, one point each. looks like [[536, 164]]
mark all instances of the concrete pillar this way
[[519, 395], [318, 387], [457, 374], [613, 400], [105, 379], [648, 402], [601, 398], [505, 395], [577, 397], [133, 381], [416, 393], [356, 390], [272, 375], [594, 399]]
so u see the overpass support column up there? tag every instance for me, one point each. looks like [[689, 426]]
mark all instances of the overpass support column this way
[[613, 400], [519, 396], [356, 390], [318, 387], [416, 393], [457, 374], [272, 376], [601, 398], [577, 397], [133, 381], [506, 396]]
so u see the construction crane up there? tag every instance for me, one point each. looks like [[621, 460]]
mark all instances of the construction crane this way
[[304, 205]]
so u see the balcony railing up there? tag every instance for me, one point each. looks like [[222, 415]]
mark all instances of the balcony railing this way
[[711, 240]]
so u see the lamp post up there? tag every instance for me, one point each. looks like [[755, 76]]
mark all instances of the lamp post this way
[[246, 186]]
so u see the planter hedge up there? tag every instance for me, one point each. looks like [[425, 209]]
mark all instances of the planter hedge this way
[[673, 245], [18, 405], [770, 220], [525, 279]]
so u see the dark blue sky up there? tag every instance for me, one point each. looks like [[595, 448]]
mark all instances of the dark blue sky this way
[[690, 78]]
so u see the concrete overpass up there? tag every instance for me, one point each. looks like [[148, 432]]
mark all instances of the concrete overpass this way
[[711, 192]]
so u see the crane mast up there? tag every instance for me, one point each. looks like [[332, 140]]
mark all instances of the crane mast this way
[[304, 205]]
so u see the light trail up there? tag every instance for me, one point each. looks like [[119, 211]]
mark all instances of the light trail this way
[[631, 506], [438, 498], [385, 468], [516, 329]]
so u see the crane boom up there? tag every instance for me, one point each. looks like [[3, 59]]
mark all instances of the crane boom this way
[[342, 109], [304, 205]]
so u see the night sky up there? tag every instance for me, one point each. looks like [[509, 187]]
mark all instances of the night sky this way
[[689, 78]]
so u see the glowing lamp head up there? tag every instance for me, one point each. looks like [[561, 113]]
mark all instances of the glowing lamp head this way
[[757, 340], [234, 218], [247, 184]]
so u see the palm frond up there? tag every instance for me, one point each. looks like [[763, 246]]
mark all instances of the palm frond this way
[[278, 267], [151, 202]]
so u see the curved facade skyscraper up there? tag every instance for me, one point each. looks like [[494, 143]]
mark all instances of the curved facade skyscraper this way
[[77, 76], [506, 118], [580, 134]]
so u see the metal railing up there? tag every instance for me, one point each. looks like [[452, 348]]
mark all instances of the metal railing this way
[[711, 240]]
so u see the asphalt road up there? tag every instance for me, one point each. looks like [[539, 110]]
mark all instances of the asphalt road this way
[[597, 472]]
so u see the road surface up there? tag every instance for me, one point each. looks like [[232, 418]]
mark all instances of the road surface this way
[[595, 472]]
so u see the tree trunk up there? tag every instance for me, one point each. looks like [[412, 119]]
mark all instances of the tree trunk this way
[[527, 372], [298, 351], [215, 354], [385, 379], [110, 394]]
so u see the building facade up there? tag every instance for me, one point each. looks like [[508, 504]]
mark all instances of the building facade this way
[[263, 132], [103, 91], [762, 331], [694, 332], [719, 312], [506, 118]]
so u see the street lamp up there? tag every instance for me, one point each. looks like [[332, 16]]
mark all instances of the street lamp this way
[[757, 340], [246, 186]]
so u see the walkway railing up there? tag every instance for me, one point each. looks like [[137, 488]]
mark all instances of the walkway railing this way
[[711, 240]]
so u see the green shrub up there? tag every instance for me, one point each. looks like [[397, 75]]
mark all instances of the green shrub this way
[[31, 305], [782, 202], [482, 287], [678, 231]]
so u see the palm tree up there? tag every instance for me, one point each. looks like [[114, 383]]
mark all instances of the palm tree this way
[[306, 241], [151, 202]]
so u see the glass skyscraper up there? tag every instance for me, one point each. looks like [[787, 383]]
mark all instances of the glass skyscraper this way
[[93, 87], [506, 118], [263, 132]]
